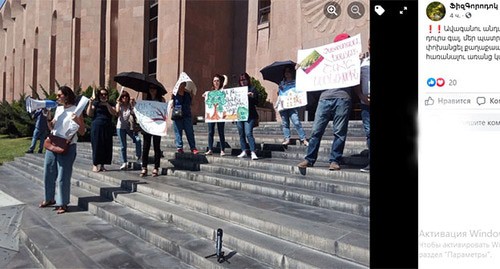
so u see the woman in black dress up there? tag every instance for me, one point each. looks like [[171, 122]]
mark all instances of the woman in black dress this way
[[101, 134]]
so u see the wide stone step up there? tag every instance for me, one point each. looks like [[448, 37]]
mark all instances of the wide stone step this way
[[233, 141], [354, 155], [179, 193], [352, 125], [278, 131], [337, 202], [270, 183], [320, 169], [276, 165], [355, 152], [270, 144], [351, 158], [100, 189], [166, 235], [22, 259], [190, 250], [253, 212], [76, 239], [265, 165], [258, 176], [243, 240]]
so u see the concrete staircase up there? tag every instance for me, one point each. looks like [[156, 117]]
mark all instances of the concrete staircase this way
[[273, 214]]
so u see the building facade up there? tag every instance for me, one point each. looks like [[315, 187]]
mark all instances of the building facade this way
[[83, 43]]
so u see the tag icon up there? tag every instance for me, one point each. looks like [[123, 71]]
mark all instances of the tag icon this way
[[379, 10]]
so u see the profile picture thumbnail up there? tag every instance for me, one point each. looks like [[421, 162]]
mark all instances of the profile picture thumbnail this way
[[436, 11]]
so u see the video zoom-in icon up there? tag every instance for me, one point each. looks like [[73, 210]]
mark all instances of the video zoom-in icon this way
[[431, 82], [332, 10]]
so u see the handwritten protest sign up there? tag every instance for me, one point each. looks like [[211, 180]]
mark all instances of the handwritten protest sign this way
[[227, 105], [152, 116], [291, 97], [335, 65]]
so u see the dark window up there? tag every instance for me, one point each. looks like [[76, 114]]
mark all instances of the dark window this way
[[264, 11], [153, 12], [153, 29], [152, 37], [151, 67], [152, 49]]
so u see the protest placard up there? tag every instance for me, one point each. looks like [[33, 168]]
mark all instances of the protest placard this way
[[227, 105], [334, 65]]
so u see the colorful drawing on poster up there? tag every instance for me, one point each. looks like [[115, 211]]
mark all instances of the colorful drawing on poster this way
[[227, 105], [152, 116], [290, 97], [311, 61]]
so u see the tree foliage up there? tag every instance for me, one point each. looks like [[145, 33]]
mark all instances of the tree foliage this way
[[15, 121], [262, 99]]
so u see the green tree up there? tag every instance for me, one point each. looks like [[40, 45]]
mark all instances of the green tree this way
[[15, 121], [261, 102], [217, 100]]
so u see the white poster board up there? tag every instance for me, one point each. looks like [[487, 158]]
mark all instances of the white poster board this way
[[334, 65], [152, 116], [227, 105], [291, 97]]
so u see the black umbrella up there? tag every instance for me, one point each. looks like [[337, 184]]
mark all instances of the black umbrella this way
[[139, 82], [274, 71]]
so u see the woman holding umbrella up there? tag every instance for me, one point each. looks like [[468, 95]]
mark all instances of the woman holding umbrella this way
[[154, 94]]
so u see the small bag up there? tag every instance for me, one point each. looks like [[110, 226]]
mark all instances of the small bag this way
[[177, 113], [134, 125], [56, 144]]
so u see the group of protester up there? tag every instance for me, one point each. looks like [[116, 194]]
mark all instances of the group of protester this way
[[334, 104]]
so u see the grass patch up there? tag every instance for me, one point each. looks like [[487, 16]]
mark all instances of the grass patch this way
[[13, 147]]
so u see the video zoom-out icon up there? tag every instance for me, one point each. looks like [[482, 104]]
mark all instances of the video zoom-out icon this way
[[431, 82]]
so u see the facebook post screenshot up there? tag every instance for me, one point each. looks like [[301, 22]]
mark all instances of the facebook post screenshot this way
[[459, 129]]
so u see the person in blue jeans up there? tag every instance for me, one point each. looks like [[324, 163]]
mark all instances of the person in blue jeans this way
[[40, 132], [363, 92], [183, 101], [245, 128], [58, 167], [217, 83], [124, 109], [334, 104], [292, 114]]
